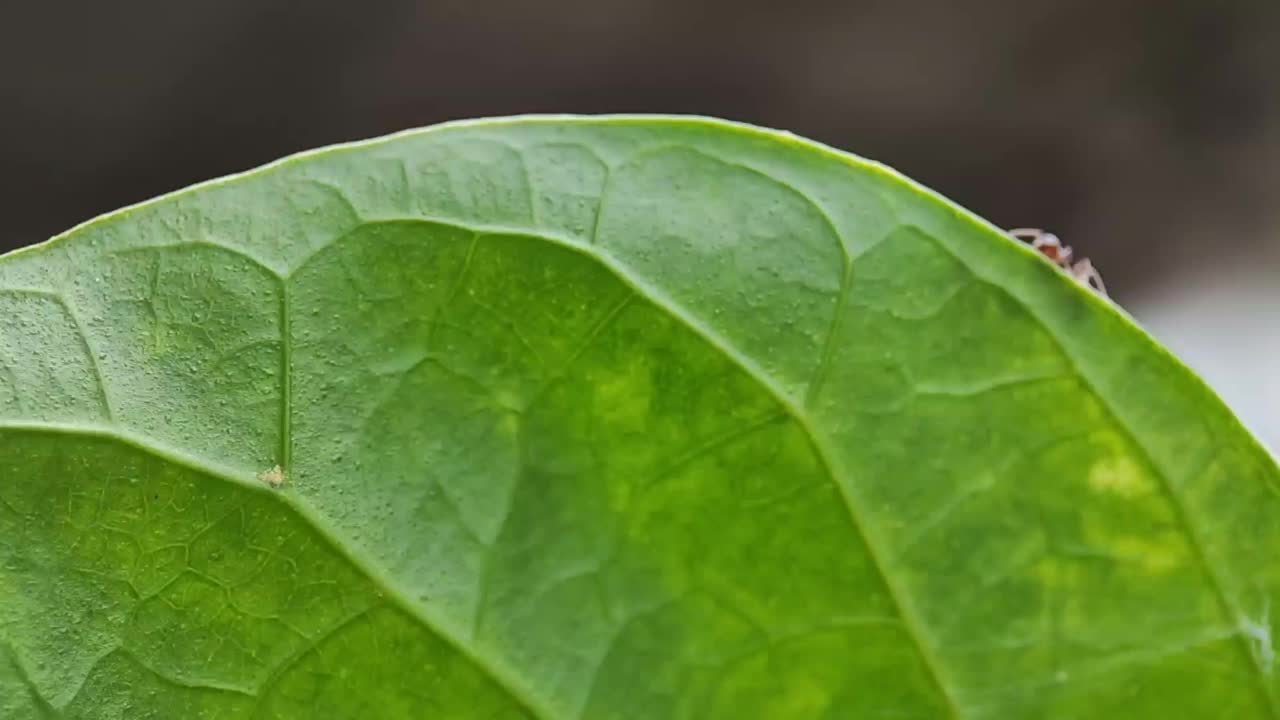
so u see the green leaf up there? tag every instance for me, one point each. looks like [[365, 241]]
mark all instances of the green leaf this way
[[607, 418]]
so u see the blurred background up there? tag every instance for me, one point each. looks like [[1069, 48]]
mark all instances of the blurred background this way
[[1146, 132]]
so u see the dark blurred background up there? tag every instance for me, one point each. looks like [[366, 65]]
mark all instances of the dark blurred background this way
[[1145, 132]]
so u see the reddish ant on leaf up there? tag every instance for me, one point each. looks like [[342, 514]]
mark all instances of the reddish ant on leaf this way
[[1061, 255]]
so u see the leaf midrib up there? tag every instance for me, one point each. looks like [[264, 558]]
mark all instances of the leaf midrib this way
[[792, 406], [660, 300]]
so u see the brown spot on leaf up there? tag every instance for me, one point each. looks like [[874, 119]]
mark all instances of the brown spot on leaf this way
[[274, 477]]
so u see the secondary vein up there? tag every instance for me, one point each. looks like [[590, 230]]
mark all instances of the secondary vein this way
[[286, 379], [503, 678], [1226, 604]]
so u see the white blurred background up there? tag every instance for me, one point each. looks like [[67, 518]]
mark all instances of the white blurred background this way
[[1223, 319]]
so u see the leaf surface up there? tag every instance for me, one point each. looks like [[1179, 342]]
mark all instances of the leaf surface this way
[[560, 418]]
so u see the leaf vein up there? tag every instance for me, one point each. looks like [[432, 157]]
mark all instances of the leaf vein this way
[[1181, 512], [502, 677]]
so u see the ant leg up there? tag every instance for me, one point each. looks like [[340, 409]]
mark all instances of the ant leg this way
[[1047, 243], [1027, 234], [1085, 272]]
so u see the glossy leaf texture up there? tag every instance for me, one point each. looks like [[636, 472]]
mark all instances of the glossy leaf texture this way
[[632, 417]]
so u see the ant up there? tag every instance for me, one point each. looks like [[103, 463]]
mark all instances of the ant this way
[[1061, 255]]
